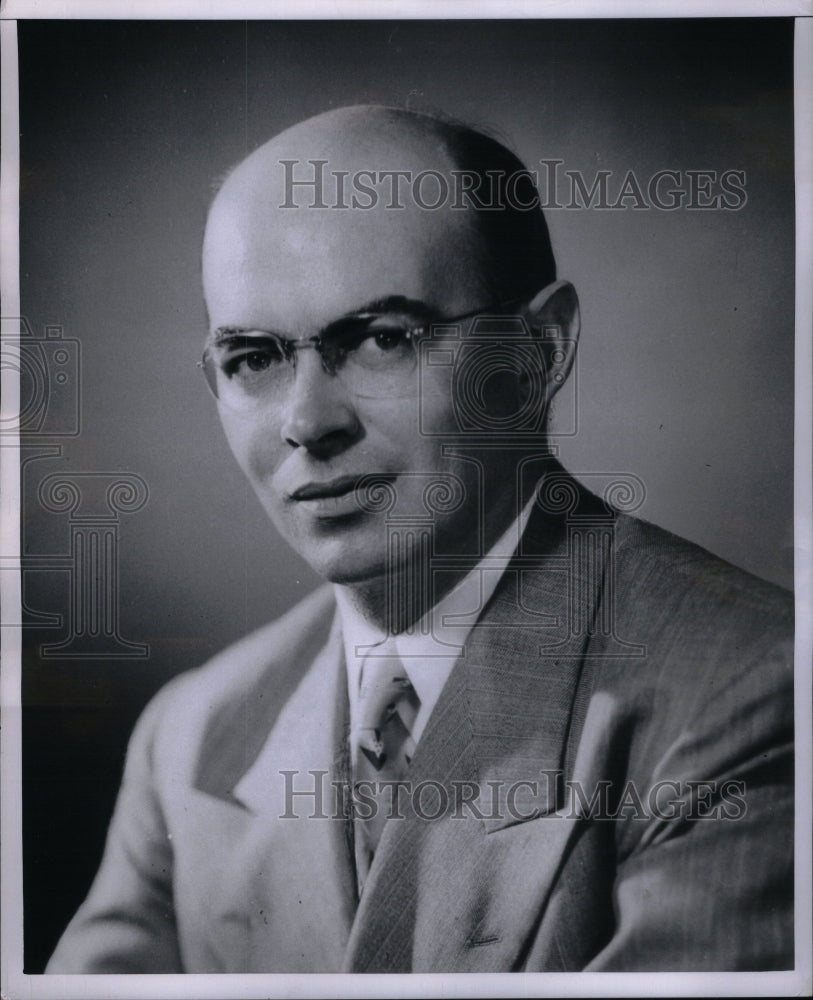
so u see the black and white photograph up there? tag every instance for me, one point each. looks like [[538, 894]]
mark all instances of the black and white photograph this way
[[405, 551]]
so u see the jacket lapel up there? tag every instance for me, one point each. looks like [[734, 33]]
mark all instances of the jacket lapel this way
[[460, 882], [293, 887]]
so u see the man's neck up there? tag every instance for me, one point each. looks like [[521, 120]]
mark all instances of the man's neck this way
[[390, 603]]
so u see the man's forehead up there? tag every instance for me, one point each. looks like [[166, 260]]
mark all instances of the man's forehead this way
[[310, 268], [313, 209]]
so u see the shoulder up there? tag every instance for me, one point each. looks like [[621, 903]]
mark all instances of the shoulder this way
[[671, 564], [193, 718], [678, 595], [706, 662], [264, 656], [691, 610]]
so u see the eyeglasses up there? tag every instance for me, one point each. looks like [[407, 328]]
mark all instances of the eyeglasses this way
[[374, 356]]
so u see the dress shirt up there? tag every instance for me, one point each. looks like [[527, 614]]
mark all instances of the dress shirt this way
[[429, 651]]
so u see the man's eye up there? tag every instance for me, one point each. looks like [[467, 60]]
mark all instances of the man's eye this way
[[382, 345], [389, 339], [251, 359]]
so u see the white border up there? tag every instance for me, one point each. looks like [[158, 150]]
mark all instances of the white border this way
[[380, 10], [11, 848], [13, 983], [421, 985], [803, 489]]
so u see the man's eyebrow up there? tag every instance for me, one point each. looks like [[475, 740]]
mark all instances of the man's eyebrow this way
[[225, 333], [396, 303], [388, 304]]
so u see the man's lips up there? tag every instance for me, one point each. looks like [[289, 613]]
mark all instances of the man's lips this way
[[330, 488], [360, 492]]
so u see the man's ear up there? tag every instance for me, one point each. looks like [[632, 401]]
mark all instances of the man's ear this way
[[554, 319]]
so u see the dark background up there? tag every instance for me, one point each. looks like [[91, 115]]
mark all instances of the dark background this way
[[686, 363]]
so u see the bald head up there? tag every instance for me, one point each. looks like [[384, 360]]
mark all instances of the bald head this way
[[376, 221], [356, 199]]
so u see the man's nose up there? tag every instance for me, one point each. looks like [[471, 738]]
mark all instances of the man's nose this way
[[318, 413]]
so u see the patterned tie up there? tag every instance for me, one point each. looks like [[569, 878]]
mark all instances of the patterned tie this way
[[382, 746]]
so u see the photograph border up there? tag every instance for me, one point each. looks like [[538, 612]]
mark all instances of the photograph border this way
[[17, 984]]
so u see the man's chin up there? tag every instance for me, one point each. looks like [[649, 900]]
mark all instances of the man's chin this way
[[349, 572], [351, 550], [346, 561]]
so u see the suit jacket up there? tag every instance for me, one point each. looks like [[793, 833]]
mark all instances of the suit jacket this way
[[606, 784]]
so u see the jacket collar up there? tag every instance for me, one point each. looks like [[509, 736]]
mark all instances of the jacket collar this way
[[506, 710], [321, 696], [499, 728]]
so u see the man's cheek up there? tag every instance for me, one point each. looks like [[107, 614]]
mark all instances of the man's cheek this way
[[234, 431], [256, 452]]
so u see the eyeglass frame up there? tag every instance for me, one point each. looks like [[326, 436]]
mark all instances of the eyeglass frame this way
[[291, 345]]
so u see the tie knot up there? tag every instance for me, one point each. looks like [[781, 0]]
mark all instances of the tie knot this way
[[388, 706], [383, 686]]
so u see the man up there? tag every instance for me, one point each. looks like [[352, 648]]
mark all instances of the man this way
[[522, 730]]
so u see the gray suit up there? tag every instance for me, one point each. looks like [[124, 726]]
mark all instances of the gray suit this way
[[202, 875]]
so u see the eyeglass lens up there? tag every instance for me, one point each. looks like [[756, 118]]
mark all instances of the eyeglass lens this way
[[375, 358]]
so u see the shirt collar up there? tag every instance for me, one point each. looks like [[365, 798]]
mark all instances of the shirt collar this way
[[429, 650]]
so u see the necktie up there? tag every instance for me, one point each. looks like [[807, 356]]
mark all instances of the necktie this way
[[382, 746]]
